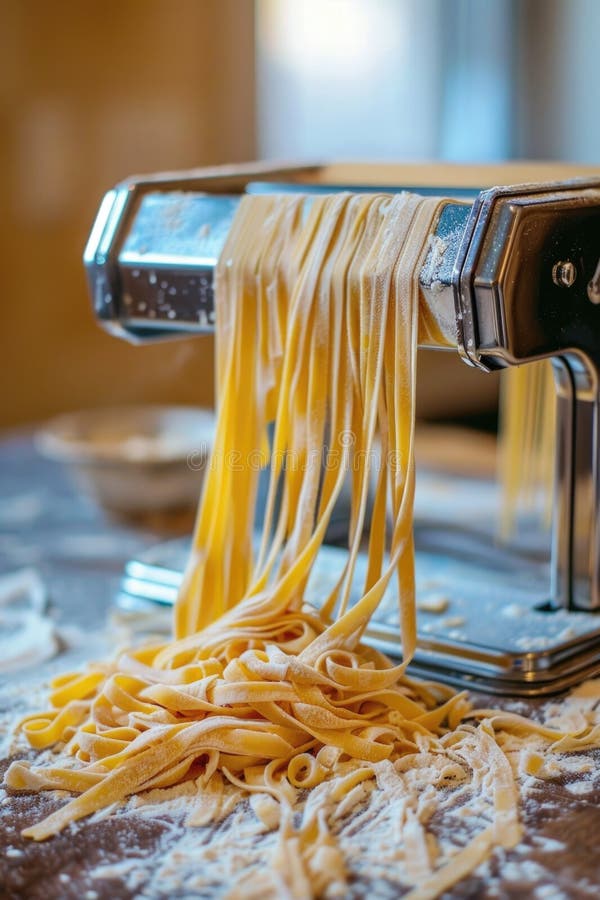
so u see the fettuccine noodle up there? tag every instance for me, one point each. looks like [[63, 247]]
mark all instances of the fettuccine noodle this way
[[527, 441]]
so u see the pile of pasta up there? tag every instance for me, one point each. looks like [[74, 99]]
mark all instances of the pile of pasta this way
[[317, 328]]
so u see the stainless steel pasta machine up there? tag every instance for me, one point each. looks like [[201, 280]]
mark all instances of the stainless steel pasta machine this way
[[512, 276]]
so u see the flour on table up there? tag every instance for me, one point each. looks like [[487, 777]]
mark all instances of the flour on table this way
[[389, 833]]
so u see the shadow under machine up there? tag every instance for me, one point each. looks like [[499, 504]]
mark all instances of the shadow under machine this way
[[514, 277]]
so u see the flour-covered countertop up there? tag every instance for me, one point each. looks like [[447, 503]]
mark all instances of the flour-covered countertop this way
[[78, 554]]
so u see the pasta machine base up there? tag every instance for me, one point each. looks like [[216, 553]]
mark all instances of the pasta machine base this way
[[483, 616]]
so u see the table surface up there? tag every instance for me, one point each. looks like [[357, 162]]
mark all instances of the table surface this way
[[45, 523]]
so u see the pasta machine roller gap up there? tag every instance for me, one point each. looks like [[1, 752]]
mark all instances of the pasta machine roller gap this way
[[511, 276]]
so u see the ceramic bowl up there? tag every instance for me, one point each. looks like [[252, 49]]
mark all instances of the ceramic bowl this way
[[134, 459]]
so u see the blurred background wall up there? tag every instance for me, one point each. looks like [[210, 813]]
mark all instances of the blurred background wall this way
[[92, 92], [461, 80]]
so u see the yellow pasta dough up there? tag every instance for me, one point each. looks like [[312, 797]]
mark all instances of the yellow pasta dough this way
[[527, 442], [317, 325], [317, 328]]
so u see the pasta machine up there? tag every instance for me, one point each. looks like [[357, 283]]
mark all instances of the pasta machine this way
[[512, 276]]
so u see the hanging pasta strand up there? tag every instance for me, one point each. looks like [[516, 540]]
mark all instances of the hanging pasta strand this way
[[526, 442]]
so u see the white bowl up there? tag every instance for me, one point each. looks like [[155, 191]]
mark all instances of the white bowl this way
[[134, 459]]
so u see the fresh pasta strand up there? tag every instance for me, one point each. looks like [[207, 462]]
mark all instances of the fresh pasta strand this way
[[527, 440], [317, 327]]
